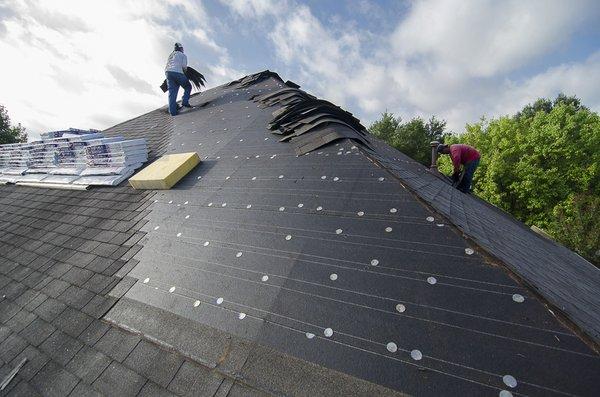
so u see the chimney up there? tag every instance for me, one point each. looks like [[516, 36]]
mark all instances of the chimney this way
[[434, 145]]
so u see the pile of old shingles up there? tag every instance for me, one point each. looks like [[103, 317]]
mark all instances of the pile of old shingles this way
[[308, 122], [253, 79]]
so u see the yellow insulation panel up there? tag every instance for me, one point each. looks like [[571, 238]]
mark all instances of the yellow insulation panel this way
[[165, 172]]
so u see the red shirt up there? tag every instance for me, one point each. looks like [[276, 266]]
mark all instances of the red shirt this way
[[463, 154]]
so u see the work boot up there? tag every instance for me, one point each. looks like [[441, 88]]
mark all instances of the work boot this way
[[187, 106]]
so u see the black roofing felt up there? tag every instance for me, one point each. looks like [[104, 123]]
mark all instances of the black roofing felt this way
[[328, 258], [564, 278], [261, 263]]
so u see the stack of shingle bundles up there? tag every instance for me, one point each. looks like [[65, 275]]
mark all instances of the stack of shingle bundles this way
[[40, 161], [6, 155], [79, 157], [109, 162], [43, 157]]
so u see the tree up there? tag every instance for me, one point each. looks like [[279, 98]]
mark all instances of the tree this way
[[385, 128], [411, 138], [542, 165], [435, 129], [546, 105], [577, 224], [8, 133]]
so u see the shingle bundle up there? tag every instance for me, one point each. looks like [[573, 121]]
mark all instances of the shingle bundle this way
[[15, 158]]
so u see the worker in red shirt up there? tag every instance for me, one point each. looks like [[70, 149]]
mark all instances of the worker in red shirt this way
[[465, 156]]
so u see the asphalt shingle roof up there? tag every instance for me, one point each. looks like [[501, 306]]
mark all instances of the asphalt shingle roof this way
[[264, 272]]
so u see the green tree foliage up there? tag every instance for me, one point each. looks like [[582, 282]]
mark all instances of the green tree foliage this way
[[411, 138], [9, 133], [543, 166], [577, 226], [385, 128]]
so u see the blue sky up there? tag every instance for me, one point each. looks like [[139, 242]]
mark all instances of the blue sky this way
[[96, 63]]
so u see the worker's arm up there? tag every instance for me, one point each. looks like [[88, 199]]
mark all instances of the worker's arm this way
[[456, 162], [184, 63], [455, 155]]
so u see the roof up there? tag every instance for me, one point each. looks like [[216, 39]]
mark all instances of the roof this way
[[347, 270]]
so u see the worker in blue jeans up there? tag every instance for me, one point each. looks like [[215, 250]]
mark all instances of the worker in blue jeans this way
[[175, 72], [467, 179]]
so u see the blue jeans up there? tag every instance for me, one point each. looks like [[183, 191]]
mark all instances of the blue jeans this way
[[465, 183], [174, 81]]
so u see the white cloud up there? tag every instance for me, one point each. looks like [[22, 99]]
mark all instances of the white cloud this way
[[484, 37], [451, 58], [256, 8], [327, 56], [204, 39], [581, 79]]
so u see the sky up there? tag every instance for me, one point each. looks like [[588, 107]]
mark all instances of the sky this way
[[93, 64]]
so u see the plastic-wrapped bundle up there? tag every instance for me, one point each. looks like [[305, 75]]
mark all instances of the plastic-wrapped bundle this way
[[14, 159], [117, 154]]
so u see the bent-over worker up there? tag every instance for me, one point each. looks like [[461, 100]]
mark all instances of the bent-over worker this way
[[465, 156], [175, 72]]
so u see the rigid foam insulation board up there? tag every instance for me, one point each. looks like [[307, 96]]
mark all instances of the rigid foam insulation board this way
[[165, 172]]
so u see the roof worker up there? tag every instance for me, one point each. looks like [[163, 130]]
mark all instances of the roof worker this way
[[175, 69], [465, 156]]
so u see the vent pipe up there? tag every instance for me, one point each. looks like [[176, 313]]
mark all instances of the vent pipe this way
[[434, 145]]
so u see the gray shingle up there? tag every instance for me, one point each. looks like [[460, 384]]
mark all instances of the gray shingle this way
[[21, 320], [77, 276], [88, 364], [24, 389], [36, 302], [50, 309], [83, 390], [154, 363], [117, 344], [54, 381], [76, 297], [35, 361], [118, 380], [99, 264], [55, 287], [151, 389], [72, 321], [97, 283], [193, 379], [61, 347], [11, 347], [98, 306], [26, 297], [7, 310], [93, 332], [37, 332], [14, 290]]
